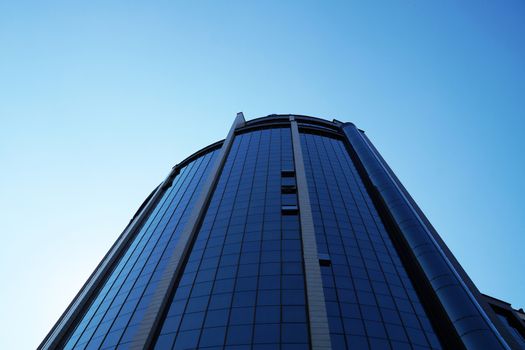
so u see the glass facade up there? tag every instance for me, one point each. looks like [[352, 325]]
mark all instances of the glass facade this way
[[276, 239], [119, 304], [243, 285], [370, 300]]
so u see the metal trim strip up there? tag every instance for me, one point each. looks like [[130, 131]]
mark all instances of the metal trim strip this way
[[419, 246], [88, 291], [318, 319], [154, 315]]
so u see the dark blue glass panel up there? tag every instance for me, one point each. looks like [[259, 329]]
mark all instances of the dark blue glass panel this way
[[370, 300], [120, 303], [245, 269]]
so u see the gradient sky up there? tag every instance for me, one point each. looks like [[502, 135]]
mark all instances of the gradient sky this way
[[98, 99]]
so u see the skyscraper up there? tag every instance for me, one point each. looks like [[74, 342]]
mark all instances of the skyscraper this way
[[292, 233]]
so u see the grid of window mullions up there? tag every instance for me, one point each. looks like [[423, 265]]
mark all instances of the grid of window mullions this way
[[354, 207], [220, 210], [316, 186], [244, 190], [169, 234], [135, 262], [165, 251], [251, 202], [130, 254], [132, 278], [161, 254], [391, 259], [360, 209], [328, 177]]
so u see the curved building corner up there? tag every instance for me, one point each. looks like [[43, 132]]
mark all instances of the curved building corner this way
[[291, 233]]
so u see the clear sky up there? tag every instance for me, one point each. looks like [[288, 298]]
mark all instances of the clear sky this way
[[98, 99]]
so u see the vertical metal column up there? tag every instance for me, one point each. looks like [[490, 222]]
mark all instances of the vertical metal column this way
[[144, 337], [468, 318], [77, 307], [319, 329]]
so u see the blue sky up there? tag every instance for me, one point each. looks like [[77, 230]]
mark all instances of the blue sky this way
[[99, 99]]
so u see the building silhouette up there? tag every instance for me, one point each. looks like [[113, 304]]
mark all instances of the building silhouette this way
[[292, 233]]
